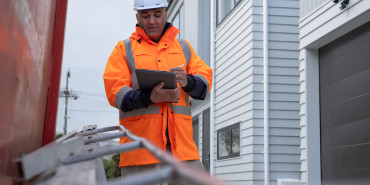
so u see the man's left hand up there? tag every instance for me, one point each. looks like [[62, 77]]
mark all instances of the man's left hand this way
[[181, 76]]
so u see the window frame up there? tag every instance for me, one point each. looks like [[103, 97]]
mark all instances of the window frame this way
[[181, 13], [230, 127], [236, 4]]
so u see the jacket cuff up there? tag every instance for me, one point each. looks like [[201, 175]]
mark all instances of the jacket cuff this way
[[145, 98], [191, 84]]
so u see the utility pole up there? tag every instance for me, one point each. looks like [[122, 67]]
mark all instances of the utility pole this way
[[67, 94]]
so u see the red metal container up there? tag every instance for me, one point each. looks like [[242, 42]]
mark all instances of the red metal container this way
[[31, 48]]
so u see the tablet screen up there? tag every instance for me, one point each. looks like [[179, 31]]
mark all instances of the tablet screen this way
[[148, 79]]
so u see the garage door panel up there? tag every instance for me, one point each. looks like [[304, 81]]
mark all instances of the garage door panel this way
[[346, 134], [336, 49], [346, 158], [351, 110], [354, 62], [344, 177], [345, 108], [347, 88]]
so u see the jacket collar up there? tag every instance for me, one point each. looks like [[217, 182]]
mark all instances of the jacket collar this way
[[169, 34]]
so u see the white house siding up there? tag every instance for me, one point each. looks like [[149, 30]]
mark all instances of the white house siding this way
[[233, 87], [319, 26], [239, 90]]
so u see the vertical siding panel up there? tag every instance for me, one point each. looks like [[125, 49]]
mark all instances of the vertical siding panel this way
[[284, 102]]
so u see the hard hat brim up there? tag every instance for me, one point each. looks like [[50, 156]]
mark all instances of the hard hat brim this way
[[150, 7]]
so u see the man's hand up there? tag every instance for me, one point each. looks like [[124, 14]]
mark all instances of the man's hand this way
[[181, 76], [159, 94]]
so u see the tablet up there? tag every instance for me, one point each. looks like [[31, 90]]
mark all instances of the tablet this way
[[148, 79]]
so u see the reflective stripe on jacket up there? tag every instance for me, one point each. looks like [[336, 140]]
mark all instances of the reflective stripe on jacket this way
[[140, 52]]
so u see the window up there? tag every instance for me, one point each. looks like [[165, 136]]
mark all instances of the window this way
[[228, 142], [204, 28], [178, 22], [224, 7]]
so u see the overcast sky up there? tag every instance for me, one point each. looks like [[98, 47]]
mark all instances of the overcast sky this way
[[93, 29]]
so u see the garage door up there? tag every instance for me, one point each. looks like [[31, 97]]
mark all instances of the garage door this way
[[345, 109]]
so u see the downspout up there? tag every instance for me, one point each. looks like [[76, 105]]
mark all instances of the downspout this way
[[266, 93], [212, 98]]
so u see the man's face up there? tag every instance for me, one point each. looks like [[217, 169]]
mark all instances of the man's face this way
[[152, 21]]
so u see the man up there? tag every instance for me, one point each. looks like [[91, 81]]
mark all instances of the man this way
[[162, 116]]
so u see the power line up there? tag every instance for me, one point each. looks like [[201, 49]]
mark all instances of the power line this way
[[89, 73], [86, 71], [87, 93], [94, 103], [82, 68], [94, 95]]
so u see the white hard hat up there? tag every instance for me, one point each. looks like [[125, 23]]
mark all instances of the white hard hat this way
[[149, 4]]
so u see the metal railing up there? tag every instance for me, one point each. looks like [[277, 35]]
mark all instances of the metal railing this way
[[172, 168]]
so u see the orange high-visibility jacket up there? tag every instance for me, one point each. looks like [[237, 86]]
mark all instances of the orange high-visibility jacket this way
[[151, 122]]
